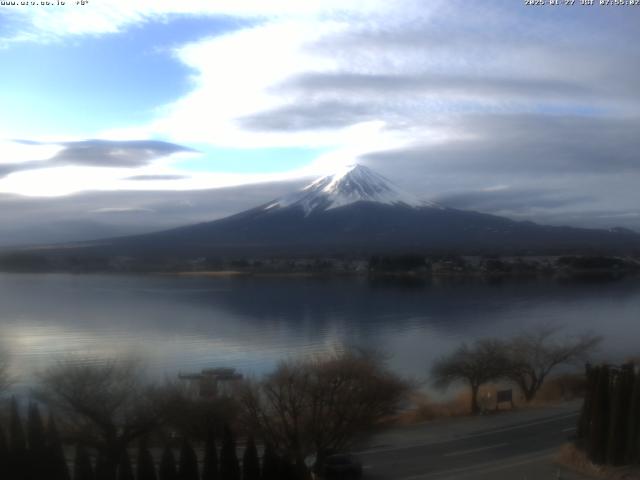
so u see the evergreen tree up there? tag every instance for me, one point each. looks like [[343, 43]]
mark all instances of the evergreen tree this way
[[229, 467], [18, 442], [104, 470], [125, 472], [210, 467], [188, 462], [37, 444], [168, 469], [633, 436], [589, 440], [287, 470], [616, 445], [597, 445], [18, 461], [146, 469], [82, 468], [584, 423], [4, 456], [57, 463], [270, 464], [35, 430], [250, 461]]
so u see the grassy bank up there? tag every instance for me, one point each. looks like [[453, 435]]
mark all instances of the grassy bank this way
[[425, 408], [575, 459]]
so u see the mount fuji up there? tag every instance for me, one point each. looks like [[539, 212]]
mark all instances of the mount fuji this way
[[355, 183], [357, 211]]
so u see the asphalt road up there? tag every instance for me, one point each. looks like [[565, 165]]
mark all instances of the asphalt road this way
[[521, 450]]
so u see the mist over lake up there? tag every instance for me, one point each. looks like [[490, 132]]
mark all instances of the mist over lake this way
[[178, 324]]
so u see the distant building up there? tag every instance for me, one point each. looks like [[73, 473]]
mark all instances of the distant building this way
[[212, 382]]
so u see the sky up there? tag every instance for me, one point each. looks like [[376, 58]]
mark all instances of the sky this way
[[121, 117]]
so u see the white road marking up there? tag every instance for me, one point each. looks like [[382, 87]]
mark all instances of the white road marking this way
[[474, 450], [474, 470], [475, 435], [570, 429]]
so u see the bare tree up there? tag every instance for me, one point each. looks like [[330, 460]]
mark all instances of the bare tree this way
[[191, 415], [6, 379], [484, 361], [536, 352], [107, 402], [320, 405]]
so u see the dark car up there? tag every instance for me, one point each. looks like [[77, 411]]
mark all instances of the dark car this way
[[341, 467]]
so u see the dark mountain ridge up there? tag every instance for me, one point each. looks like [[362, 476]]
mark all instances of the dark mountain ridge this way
[[358, 211]]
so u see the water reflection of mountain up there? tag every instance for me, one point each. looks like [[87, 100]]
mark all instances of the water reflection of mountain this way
[[254, 321], [445, 305], [173, 304]]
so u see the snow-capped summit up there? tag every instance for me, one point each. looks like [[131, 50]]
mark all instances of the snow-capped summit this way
[[354, 183], [357, 212]]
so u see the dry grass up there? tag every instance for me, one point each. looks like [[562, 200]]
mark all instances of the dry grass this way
[[575, 459], [427, 409], [561, 388], [557, 389], [424, 409]]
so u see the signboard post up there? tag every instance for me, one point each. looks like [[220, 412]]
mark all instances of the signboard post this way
[[504, 396]]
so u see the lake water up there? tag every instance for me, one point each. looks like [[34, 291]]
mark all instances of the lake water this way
[[250, 323]]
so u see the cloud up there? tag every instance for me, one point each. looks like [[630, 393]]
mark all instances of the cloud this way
[[528, 144], [331, 101], [511, 201], [84, 165], [95, 153], [156, 177], [417, 69], [433, 83], [121, 210], [105, 153], [306, 115], [621, 215], [113, 16], [232, 79], [14, 152], [102, 214], [447, 98]]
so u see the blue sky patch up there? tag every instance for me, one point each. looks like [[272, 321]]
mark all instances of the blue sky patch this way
[[89, 83]]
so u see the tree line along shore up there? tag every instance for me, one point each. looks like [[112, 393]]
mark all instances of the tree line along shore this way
[[107, 421], [407, 265]]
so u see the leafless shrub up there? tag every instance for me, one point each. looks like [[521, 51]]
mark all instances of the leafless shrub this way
[[535, 353], [108, 403], [483, 361], [321, 405]]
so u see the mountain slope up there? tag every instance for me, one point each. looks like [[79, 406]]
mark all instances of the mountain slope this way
[[359, 211], [353, 184]]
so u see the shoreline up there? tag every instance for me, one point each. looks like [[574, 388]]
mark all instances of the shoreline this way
[[390, 276], [402, 268]]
